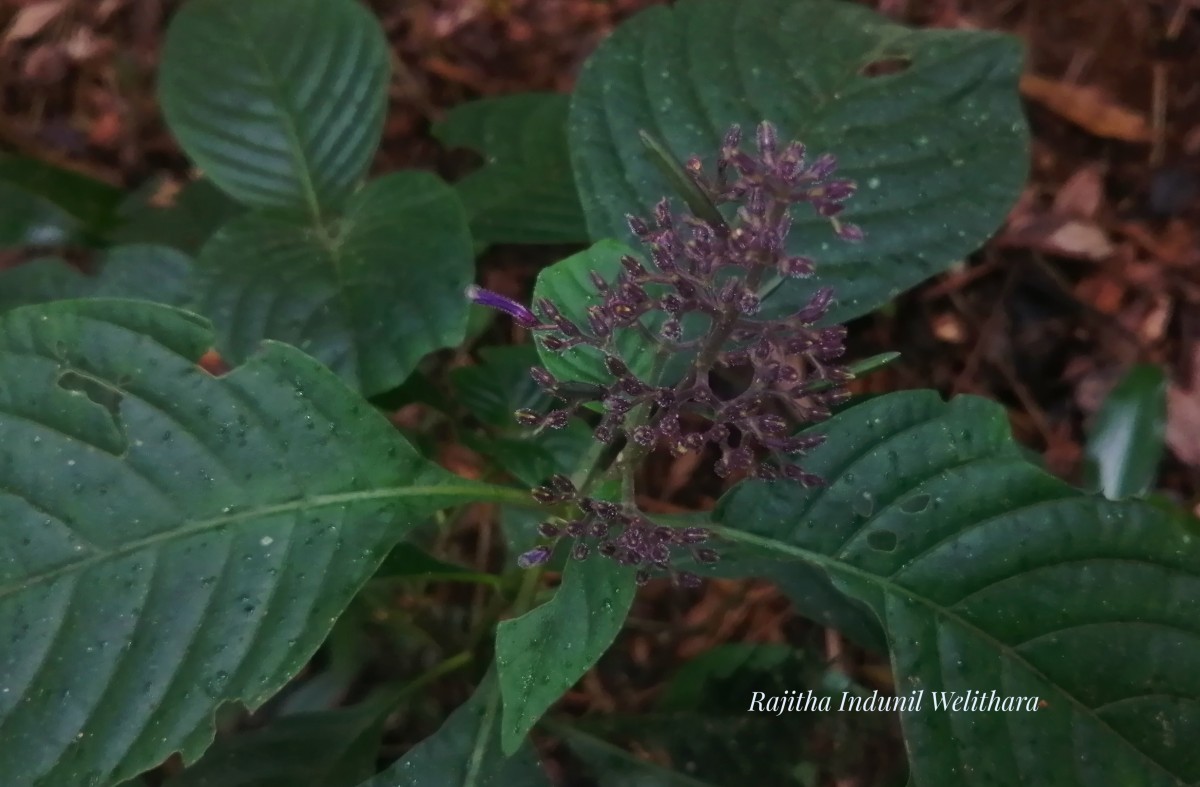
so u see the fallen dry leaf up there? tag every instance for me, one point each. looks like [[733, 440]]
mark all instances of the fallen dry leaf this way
[[1082, 239], [1059, 235], [33, 19], [1087, 107], [1083, 193]]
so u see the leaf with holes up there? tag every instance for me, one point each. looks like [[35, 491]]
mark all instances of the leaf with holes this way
[[173, 541], [465, 752], [937, 147], [368, 295], [991, 576], [281, 104], [543, 653], [525, 192], [141, 272]]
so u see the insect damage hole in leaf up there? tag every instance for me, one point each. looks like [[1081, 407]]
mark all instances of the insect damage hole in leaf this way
[[882, 540], [98, 391]]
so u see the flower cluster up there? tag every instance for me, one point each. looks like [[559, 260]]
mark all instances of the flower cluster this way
[[618, 533], [697, 295]]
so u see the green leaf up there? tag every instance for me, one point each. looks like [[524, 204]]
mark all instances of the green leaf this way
[[500, 385], [194, 214], [141, 272], [328, 749], [89, 202], [281, 104], [368, 295], [688, 686], [938, 149], [991, 575], [568, 285], [612, 766], [1126, 444], [525, 192], [407, 561], [30, 220], [533, 457], [173, 541], [543, 653], [465, 752]]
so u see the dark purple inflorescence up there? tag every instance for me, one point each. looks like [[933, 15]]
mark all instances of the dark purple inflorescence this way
[[698, 295]]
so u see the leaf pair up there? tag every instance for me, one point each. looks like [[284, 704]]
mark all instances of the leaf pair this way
[[367, 281]]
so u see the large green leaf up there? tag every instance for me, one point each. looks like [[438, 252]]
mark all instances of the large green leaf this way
[[543, 653], [281, 104], [465, 752], [990, 575], [938, 149], [334, 748], [525, 192], [367, 295], [171, 540], [143, 272]]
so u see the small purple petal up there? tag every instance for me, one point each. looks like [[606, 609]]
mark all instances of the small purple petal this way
[[494, 300], [534, 557]]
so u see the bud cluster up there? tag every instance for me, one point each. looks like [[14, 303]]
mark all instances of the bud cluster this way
[[616, 532], [697, 295]]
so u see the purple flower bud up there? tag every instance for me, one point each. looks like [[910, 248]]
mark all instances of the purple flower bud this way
[[616, 367], [557, 419], [797, 267], [671, 330], [543, 378], [544, 495], [733, 137], [850, 232], [687, 579], [644, 436], [549, 530], [823, 167], [494, 300], [580, 551], [707, 556], [553, 343], [548, 309], [598, 322], [767, 140], [534, 557]]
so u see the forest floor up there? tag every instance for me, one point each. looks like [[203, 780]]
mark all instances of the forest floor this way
[[1096, 269]]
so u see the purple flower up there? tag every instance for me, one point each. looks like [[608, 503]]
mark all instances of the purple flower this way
[[696, 290], [495, 300]]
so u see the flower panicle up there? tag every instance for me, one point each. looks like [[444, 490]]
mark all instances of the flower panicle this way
[[697, 291]]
